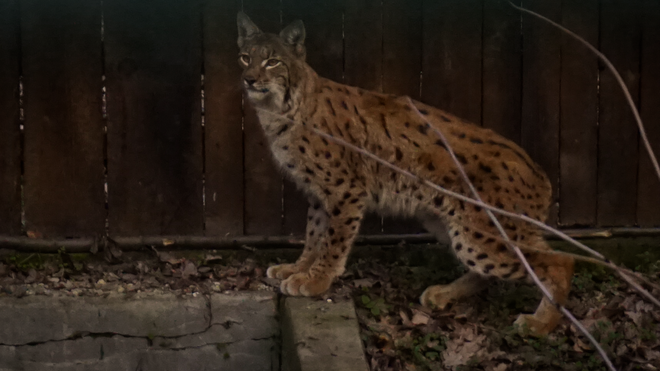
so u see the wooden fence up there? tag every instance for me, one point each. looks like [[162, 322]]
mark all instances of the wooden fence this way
[[112, 94]]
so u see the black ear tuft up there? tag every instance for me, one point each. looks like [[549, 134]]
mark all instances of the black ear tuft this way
[[246, 28], [294, 33]]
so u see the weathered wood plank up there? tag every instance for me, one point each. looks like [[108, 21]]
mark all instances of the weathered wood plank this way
[[578, 159], [223, 129], [618, 142], [153, 69], [648, 196], [451, 64], [363, 44], [10, 151], [62, 67], [402, 64], [324, 44], [402, 47], [263, 180], [502, 78], [363, 30], [540, 91]]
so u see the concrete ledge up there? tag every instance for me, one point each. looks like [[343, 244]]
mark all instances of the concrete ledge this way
[[238, 331], [320, 336], [163, 332], [58, 318], [120, 353]]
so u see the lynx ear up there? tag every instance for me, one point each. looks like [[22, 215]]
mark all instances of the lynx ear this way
[[246, 28], [294, 34]]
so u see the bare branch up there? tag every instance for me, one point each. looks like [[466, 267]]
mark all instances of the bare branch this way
[[489, 209], [587, 259], [494, 209], [633, 107], [609, 65], [511, 245]]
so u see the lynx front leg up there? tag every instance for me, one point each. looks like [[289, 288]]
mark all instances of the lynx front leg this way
[[343, 226], [317, 225]]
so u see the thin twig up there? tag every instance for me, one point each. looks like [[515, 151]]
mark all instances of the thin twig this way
[[583, 258], [438, 188], [459, 196], [511, 245], [633, 107], [616, 74], [475, 202], [535, 278]]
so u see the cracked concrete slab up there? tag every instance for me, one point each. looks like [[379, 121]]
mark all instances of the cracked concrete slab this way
[[121, 353], [235, 317], [236, 331], [320, 336], [57, 318]]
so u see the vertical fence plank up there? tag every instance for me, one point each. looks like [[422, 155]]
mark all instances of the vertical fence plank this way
[[10, 155], [648, 197], [363, 43], [578, 159], [402, 63], [452, 35], [263, 180], [363, 63], [323, 26], [618, 144], [502, 69], [540, 90], [62, 65], [153, 69], [324, 44], [402, 47], [223, 130]]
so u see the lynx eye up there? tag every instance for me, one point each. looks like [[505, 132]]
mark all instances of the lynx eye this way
[[245, 59], [273, 62]]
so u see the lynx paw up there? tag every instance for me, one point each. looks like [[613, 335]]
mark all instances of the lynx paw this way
[[437, 297], [303, 284], [529, 325], [282, 271]]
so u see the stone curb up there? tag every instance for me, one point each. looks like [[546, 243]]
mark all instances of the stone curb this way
[[236, 331], [320, 336]]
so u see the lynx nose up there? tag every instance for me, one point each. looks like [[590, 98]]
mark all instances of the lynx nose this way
[[249, 80]]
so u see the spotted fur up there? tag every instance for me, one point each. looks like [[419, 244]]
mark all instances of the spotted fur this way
[[291, 98]]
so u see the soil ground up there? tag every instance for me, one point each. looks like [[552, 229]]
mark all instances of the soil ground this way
[[477, 333], [385, 282]]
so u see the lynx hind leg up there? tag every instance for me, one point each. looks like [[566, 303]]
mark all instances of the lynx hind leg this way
[[555, 273], [317, 225], [439, 296]]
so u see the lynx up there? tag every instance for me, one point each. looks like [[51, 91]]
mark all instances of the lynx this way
[[291, 100]]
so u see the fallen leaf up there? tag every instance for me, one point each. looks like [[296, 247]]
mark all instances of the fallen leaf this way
[[168, 258], [466, 345], [34, 234], [636, 317], [32, 276], [405, 319], [188, 270], [212, 258], [420, 318], [652, 355], [364, 282]]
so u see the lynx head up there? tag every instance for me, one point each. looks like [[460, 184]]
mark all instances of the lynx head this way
[[273, 65]]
